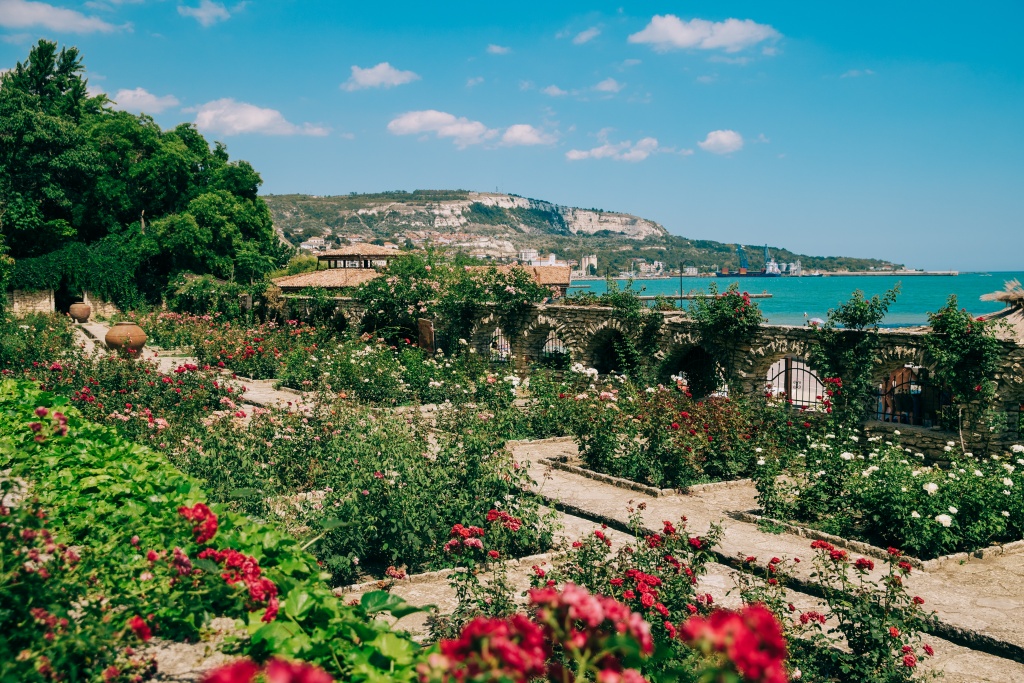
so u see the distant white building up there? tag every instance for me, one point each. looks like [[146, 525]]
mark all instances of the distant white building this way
[[690, 271], [314, 244], [528, 256]]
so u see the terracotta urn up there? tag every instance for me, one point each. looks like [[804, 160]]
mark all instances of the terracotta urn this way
[[80, 312], [125, 336]]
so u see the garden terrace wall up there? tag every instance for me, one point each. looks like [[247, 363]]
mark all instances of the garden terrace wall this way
[[584, 329], [23, 302]]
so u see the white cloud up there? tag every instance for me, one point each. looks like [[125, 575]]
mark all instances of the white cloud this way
[[475, 81], [856, 73], [461, 130], [139, 100], [381, 76], [493, 49], [465, 132], [228, 117], [586, 36], [762, 138], [26, 14], [207, 13], [722, 142], [709, 78], [525, 85], [668, 32], [620, 151], [609, 85], [554, 91], [523, 134]]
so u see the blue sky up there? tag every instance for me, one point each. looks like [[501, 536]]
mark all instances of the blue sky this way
[[892, 130]]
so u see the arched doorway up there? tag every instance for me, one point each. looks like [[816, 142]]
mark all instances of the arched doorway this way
[[499, 348], [696, 368], [793, 379], [554, 353], [604, 351], [907, 396]]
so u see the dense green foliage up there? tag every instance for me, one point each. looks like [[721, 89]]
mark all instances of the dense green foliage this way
[[725, 323], [97, 199], [110, 504], [846, 345], [965, 352], [454, 296]]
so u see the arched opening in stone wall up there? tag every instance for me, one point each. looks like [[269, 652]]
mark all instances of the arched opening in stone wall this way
[[791, 377], [554, 353], [604, 356], [499, 348], [906, 395], [65, 295], [696, 368]]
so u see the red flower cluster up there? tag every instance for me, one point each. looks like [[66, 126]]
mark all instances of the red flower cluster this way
[[508, 521], [240, 567], [275, 671], [751, 639], [827, 548], [502, 649], [140, 628], [205, 521], [586, 618], [464, 537]]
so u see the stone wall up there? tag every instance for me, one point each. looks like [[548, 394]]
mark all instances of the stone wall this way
[[23, 303], [587, 331], [100, 308]]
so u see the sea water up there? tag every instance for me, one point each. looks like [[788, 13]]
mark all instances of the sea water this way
[[793, 297]]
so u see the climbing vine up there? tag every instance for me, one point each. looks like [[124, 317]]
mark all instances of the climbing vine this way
[[726, 322], [846, 347], [965, 354]]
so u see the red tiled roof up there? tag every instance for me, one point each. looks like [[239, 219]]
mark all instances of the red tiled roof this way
[[360, 250], [331, 278]]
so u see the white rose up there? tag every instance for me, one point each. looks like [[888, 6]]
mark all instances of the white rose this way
[[952, 510], [947, 448], [847, 456], [931, 488], [896, 432], [915, 515], [1017, 448], [977, 473], [1005, 513], [944, 520], [1007, 482]]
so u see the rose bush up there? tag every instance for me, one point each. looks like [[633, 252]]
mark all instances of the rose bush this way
[[874, 490]]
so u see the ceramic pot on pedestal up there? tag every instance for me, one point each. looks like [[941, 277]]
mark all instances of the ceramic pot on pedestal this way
[[125, 336], [80, 312]]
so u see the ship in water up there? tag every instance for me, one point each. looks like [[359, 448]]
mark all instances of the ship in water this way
[[771, 268]]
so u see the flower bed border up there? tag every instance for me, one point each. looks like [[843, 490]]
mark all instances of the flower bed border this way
[[1010, 548], [562, 463], [427, 577]]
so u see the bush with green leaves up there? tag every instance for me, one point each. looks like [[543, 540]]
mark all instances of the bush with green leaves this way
[[873, 490], [965, 354], [845, 348], [127, 528]]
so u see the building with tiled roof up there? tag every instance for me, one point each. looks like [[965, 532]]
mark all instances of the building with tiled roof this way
[[329, 278]]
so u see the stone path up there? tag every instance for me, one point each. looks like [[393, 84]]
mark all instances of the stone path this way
[[978, 603]]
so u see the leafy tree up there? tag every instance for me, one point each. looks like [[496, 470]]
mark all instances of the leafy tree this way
[[965, 354], [846, 346], [147, 202]]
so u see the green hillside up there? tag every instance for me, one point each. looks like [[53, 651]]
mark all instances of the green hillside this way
[[394, 216]]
